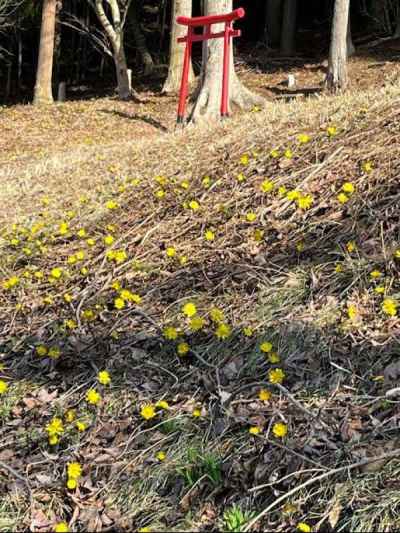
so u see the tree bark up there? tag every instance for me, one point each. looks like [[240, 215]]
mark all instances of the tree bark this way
[[181, 8], [208, 95], [397, 30], [337, 77], [288, 36], [140, 40], [115, 33], [273, 22], [43, 93]]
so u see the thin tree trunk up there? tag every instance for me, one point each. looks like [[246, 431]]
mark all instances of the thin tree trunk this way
[[181, 8], [397, 30], [349, 40], [115, 34], [43, 87], [208, 97], [288, 36], [273, 22], [337, 77], [140, 40]]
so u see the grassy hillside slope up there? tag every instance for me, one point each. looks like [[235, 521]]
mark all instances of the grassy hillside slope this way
[[239, 284]]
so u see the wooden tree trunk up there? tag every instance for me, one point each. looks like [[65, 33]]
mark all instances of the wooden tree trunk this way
[[273, 22], [114, 30], [397, 30], [181, 8], [208, 97], [337, 77], [140, 41], [43, 93], [288, 36]]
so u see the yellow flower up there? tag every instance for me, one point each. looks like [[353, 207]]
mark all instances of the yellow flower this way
[[71, 484], [161, 456], [163, 404], [293, 195], [61, 527], [264, 395], [129, 296], [209, 235], [196, 323], [160, 194], [41, 350], [279, 430], [254, 430], [120, 256], [331, 131], [67, 297], [206, 181], [348, 187], [70, 415], [53, 440], [108, 240], [397, 254], [111, 204], [80, 255], [148, 412], [273, 358], [276, 375], [379, 289], [90, 241], [342, 198], [183, 348], [216, 315], [81, 426], [251, 217], [74, 470], [11, 282], [389, 306], [282, 190], [55, 427], [93, 397], [196, 413], [185, 184], [241, 177], [258, 235], [288, 154], [305, 201], [352, 312], [375, 274], [303, 138], [119, 303], [88, 314], [71, 259], [56, 273], [338, 268], [303, 527], [194, 205], [3, 386], [183, 260], [266, 347], [267, 186], [351, 246], [170, 251], [189, 309], [300, 246], [248, 332], [367, 166], [54, 352], [104, 377], [244, 160], [63, 228], [223, 331], [170, 333], [81, 233], [274, 153]]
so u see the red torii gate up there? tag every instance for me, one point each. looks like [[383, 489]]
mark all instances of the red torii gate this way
[[228, 33]]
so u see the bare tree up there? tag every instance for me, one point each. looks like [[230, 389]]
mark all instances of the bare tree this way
[[181, 8], [140, 40], [288, 36], [337, 77], [207, 104], [112, 15], [273, 22], [43, 88]]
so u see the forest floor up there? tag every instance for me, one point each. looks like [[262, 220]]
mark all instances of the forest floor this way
[[197, 335]]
